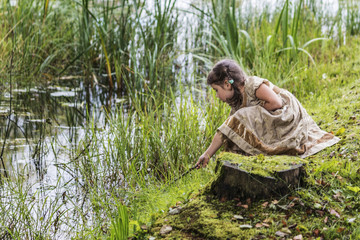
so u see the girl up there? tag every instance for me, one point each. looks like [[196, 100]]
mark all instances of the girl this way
[[264, 118]]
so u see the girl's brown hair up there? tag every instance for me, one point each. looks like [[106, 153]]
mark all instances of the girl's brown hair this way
[[229, 69]]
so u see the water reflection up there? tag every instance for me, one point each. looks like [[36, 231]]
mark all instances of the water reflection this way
[[43, 121]]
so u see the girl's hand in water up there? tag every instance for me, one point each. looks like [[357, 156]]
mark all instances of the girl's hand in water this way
[[203, 161]]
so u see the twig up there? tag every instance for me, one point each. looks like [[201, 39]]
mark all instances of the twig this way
[[182, 175]]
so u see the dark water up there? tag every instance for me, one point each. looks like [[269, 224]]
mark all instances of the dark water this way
[[37, 124]]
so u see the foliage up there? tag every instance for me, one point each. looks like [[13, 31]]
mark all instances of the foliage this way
[[119, 178], [120, 225]]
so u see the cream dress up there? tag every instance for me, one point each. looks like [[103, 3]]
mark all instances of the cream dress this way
[[253, 130]]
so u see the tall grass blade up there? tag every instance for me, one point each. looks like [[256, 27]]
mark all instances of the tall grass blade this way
[[313, 40], [108, 67], [284, 23], [46, 6], [273, 38], [120, 225], [296, 20]]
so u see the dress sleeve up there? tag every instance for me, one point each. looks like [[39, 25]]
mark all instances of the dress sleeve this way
[[251, 85]]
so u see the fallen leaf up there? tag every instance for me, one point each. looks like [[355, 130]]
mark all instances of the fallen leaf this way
[[286, 230], [290, 205], [265, 204], [316, 232], [248, 201], [266, 225], [317, 206], [280, 234], [340, 229], [267, 220], [174, 211], [165, 229], [245, 206], [335, 213], [326, 219], [275, 202], [292, 226], [283, 222], [238, 217], [293, 198], [298, 237], [258, 225], [340, 131], [245, 226]]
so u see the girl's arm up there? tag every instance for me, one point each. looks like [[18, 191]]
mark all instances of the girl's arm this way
[[272, 101], [214, 146]]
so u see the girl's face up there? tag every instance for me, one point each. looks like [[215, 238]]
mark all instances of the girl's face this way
[[224, 91]]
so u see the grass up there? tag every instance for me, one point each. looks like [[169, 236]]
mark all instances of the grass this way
[[325, 208], [117, 180]]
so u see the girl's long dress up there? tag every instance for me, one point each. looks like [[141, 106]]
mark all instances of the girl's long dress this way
[[290, 130]]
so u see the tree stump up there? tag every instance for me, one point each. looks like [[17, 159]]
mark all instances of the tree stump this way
[[256, 177]]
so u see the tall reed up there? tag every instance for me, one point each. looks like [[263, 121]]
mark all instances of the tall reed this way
[[145, 146]]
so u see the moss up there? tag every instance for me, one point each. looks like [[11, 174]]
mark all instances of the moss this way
[[261, 165], [206, 218]]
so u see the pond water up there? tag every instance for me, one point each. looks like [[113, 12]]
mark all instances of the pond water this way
[[43, 122]]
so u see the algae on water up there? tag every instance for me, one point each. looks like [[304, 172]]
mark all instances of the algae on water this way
[[261, 165]]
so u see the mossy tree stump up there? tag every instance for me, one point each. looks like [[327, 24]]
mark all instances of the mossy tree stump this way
[[256, 177]]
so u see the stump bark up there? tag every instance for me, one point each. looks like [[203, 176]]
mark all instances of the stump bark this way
[[234, 182]]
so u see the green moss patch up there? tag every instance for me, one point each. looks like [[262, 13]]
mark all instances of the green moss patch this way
[[261, 165], [206, 218]]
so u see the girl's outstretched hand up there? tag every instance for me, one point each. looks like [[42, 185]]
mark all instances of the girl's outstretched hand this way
[[203, 161]]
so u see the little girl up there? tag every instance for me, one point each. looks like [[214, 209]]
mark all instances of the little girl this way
[[264, 118]]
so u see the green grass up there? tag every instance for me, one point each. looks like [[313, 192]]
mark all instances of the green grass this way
[[119, 177], [327, 206]]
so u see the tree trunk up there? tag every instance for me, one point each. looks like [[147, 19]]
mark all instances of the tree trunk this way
[[234, 182]]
